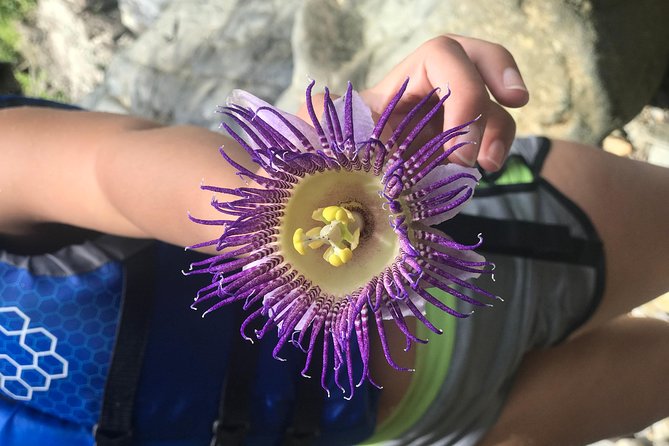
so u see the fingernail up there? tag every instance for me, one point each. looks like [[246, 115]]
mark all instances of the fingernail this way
[[512, 80], [468, 153], [495, 154]]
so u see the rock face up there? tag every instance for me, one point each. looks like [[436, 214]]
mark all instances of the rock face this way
[[139, 15], [632, 52], [195, 53], [590, 65], [72, 41]]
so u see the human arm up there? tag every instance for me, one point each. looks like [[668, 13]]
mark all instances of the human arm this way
[[114, 174]]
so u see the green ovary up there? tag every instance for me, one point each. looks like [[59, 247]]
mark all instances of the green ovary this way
[[353, 240]]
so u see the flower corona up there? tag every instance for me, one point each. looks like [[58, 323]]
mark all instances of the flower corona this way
[[338, 230]]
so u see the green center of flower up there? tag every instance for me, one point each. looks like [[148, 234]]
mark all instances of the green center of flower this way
[[353, 234], [341, 233]]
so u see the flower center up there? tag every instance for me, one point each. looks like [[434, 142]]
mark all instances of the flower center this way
[[341, 232], [353, 234]]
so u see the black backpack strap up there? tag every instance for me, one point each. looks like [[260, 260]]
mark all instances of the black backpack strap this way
[[234, 410], [233, 423], [524, 238], [305, 426], [114, 427]]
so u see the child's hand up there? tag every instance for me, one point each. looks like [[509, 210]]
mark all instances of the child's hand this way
[[467, 66]]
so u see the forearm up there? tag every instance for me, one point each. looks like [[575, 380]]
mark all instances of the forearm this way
[[115, 174], [154, 188]]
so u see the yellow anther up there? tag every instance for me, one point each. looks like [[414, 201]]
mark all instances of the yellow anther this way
[[298, 240], [334, 260], [345, 254], [342, 215], [318, 215], [330, 213], [339, 256]]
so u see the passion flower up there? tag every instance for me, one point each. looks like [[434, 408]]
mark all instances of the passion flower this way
[[338, 231]]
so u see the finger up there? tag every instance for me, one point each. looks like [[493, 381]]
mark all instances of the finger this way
[[447, 65], [432, 65], [500, 74], [498, 69], [303, 114], [499, 133]]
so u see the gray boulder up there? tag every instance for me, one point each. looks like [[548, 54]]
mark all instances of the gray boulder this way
[[139, 15], [194, 54]]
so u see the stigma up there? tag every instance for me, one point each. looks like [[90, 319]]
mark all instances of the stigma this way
[[340, 233]]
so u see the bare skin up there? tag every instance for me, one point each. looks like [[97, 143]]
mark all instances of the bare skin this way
[[609, 381], [118, 165], [118, 186], [469, 68], [74, 171]]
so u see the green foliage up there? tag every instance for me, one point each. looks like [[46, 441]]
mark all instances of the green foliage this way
[[33, 81], [15, 9], [12, 11], [9, 39]]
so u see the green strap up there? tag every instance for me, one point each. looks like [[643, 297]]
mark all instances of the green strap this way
[[516, 171], [432, 363]]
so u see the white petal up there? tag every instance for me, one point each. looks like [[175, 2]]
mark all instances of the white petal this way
[[273, 312], [417, 300], [441, 172], [247, 100], [464, 255], [363, 123]]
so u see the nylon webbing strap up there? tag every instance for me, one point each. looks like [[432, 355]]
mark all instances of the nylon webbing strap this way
[[305, 427], [235, 404], [234, 423], [114, 427], [527, 239]]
